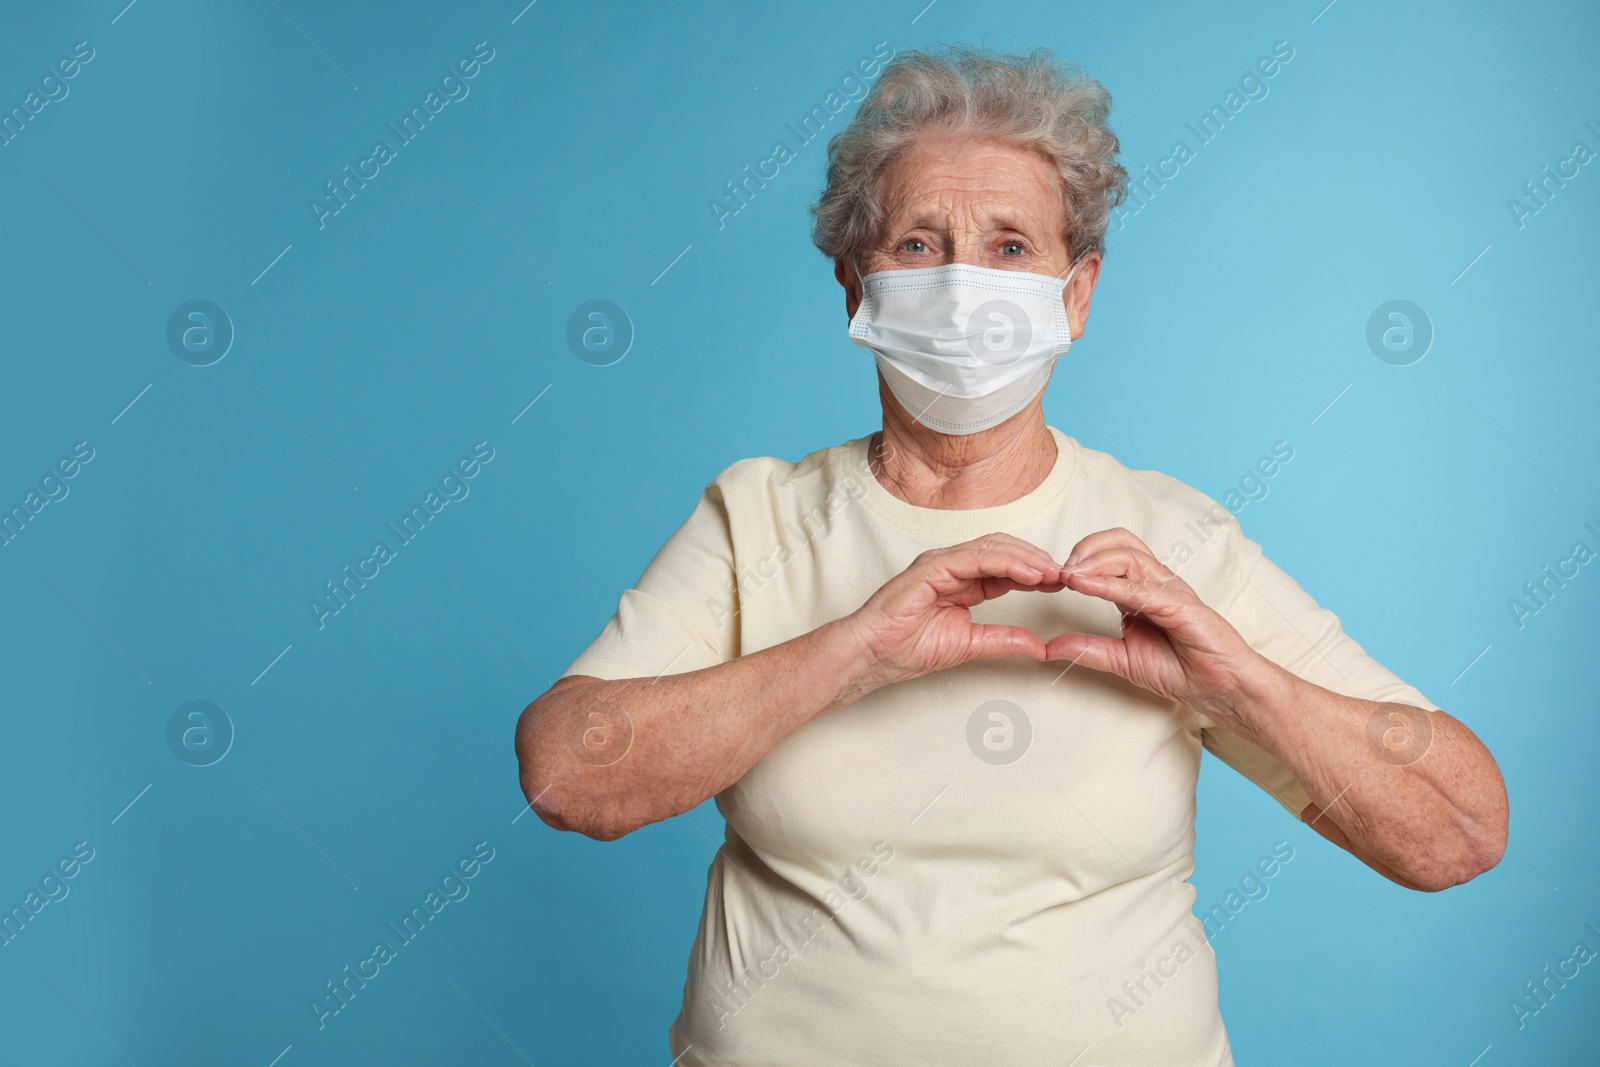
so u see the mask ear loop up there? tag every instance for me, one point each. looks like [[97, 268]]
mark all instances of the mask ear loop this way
[[855, 261], [1066, 282]]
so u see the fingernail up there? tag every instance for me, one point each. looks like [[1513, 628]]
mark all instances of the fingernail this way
[[1070, 561]]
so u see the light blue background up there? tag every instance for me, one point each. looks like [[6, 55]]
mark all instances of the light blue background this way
[[376, 351]]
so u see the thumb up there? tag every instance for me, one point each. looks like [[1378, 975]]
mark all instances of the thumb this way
[[993, 641], [1090, 650]]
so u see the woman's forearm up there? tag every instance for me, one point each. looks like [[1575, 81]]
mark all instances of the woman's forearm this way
[[1430, 814], [607, 757]]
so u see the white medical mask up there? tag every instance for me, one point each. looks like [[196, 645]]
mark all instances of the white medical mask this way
[[963, 348]]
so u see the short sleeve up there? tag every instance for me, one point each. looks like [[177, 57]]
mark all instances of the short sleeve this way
[[1281, 621], [681, 615]]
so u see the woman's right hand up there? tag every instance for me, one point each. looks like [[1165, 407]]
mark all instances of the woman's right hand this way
[[686, 737], [919, 621]]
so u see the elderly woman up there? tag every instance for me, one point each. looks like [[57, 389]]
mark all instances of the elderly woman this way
[[949, 682]]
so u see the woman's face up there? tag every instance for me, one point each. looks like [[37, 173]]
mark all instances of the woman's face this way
[[952, 198]]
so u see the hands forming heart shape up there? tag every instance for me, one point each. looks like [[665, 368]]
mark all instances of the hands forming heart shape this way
[[1172, 643]]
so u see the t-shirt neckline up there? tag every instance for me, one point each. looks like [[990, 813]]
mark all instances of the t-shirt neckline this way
[[959, 524]]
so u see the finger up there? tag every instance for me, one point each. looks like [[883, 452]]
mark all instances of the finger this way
[[1006, 585], [1141, 597], [1116, 562], [1012, 547], [1134, 557], [975, 592], [1000, 536], [1004, 541], [1116, 537], [1124, 563], [994, 641], [965, 564], [1090, 650]]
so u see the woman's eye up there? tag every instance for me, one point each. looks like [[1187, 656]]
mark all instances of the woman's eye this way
[[915, 245], [1011, 248]]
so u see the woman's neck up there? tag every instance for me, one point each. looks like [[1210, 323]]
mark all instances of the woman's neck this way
[[929, 469]]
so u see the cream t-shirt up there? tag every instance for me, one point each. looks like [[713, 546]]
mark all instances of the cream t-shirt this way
[[988, 864]]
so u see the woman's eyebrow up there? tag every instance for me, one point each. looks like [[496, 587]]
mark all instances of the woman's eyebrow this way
[[926, 220], [1002, 220]]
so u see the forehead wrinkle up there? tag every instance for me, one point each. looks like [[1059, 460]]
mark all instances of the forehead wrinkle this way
[[984, 212], [932, 191]]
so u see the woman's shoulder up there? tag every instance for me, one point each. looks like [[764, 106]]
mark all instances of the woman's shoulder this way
[[814, 474], [1107, 473]]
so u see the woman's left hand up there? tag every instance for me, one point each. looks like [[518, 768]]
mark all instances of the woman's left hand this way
[[1172, 643]]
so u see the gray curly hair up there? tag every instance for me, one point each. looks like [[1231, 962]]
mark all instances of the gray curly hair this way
[[1027, 100]]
